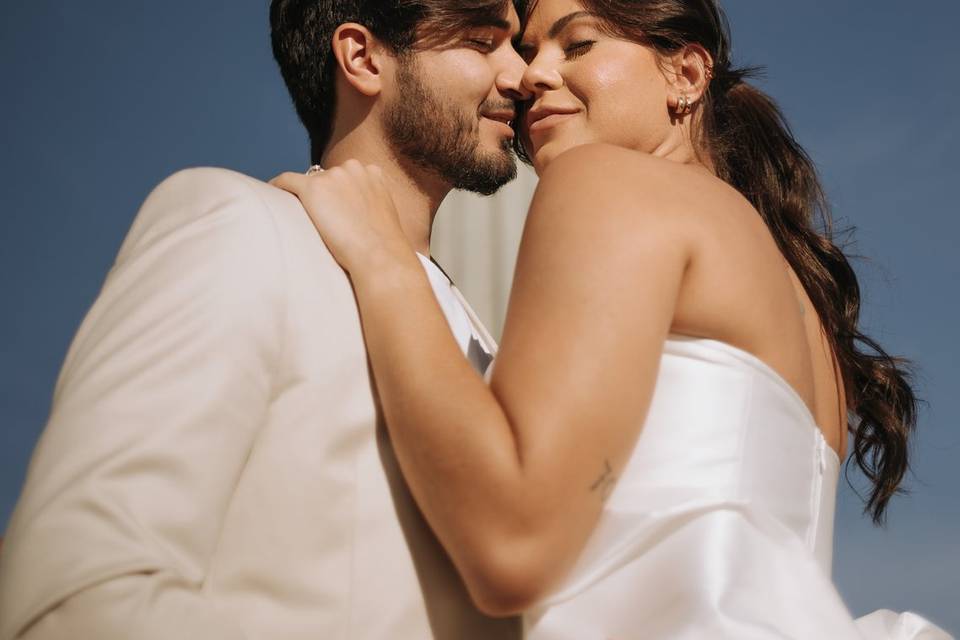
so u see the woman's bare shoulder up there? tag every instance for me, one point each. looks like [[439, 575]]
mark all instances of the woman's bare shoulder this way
[[649, 189], [601, 164]]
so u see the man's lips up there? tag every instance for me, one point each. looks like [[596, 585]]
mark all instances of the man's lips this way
[[504, 118]]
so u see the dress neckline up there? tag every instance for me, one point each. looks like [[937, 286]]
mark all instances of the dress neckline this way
[[767, 371]]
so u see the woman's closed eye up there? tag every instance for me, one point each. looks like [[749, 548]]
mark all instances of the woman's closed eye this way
[[573, 50], [577, 49]]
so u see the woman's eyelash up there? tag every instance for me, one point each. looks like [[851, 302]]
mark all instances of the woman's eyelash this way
[[578, 48], [528, 53]]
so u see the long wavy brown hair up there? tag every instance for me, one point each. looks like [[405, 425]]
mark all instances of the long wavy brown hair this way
[[753, 149]]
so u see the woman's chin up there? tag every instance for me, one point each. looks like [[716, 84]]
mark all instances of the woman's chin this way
[[539, 164], [544, 154]]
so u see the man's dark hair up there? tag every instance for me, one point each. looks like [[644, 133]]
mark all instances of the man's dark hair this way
[[302, 34]]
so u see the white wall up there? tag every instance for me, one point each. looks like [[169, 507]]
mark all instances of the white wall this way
[[475, 239]]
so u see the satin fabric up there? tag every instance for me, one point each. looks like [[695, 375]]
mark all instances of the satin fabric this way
[[721, 525]]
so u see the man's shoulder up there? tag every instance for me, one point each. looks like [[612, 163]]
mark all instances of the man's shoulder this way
[[236, 229], [199, 188], [229, 200]]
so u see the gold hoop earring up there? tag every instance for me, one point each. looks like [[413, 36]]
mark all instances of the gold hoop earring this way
[[683, 106]]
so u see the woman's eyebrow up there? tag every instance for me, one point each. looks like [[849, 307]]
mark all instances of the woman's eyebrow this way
[[559, 25], [556, 28]]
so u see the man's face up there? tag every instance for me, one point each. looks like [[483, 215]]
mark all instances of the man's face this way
[[452, 106]]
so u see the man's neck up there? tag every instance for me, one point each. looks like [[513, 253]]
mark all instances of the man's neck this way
[[416, 194]]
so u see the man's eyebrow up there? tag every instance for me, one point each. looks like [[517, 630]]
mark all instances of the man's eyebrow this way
[[496, 23]]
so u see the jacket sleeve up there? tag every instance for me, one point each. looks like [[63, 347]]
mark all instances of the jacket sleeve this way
[[157, 405]]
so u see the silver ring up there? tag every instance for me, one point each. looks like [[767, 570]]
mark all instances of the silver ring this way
[[314, 170]]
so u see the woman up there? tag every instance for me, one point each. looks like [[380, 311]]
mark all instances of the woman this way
[[658, 449]]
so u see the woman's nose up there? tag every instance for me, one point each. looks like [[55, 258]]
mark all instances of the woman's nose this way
[[541, 77]]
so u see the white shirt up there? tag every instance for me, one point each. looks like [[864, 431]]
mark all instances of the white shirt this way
[[465, 331]]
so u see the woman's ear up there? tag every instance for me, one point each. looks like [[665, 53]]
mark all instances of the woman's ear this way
[[360, 57], [692, 69]]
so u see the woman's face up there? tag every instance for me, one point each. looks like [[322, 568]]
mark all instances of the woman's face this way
[[589, 87]]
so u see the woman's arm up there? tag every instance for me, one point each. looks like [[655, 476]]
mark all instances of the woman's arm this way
[[512, 477]]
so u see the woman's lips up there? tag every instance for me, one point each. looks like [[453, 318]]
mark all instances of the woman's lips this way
[[549, 121]]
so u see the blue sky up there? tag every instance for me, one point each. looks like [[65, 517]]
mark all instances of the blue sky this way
[[104, 99]]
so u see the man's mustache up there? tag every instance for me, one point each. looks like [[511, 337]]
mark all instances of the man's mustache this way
[[498, 106]]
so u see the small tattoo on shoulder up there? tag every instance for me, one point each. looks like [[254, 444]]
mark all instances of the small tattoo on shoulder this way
[[605, 483]]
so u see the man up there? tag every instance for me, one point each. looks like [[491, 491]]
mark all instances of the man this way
[[213, 466]]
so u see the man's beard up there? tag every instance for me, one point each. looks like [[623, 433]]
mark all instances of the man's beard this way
[[436, 136]]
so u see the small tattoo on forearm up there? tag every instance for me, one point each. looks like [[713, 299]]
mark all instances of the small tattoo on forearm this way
[[605, 483]]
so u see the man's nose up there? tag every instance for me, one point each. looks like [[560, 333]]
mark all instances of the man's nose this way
[[510, 79]]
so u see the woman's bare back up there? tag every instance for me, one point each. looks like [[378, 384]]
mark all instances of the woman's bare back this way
[[741, 290]]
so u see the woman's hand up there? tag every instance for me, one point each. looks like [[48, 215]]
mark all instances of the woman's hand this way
[[351, 208]]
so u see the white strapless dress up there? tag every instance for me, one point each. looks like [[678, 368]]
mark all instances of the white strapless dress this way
[[721, 525]]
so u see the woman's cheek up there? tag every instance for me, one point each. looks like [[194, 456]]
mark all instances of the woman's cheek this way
[[623, 104], [608, 97]]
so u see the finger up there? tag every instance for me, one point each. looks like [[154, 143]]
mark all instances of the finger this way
[[352, 166], [357, 172], [283, 177], [336, 179], [350, 172], [290, 181], [379, 184], [356, 178]]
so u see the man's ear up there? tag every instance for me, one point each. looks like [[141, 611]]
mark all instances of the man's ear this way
[[360, 56]]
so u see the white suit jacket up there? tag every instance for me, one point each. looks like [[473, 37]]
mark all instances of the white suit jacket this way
[[214, 465]]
